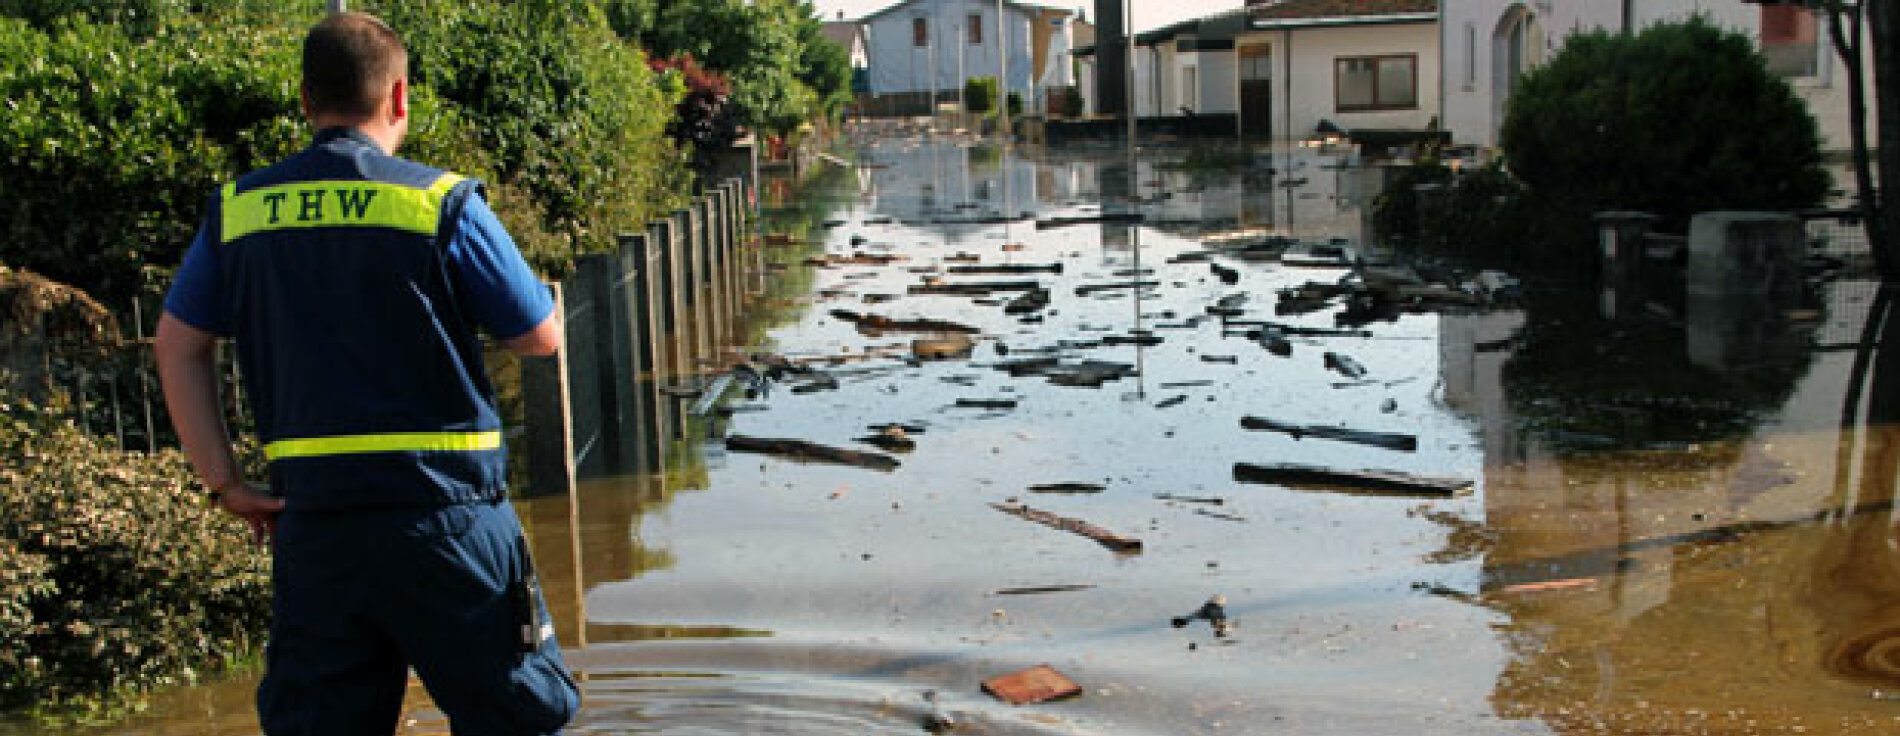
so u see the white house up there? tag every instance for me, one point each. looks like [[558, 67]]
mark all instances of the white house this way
[[924, 46], [1489, 43], [1359, 64]]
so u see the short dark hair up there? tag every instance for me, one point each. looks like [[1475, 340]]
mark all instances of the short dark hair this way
[[348, 62]]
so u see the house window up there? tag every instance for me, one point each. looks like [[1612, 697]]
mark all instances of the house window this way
[[1364, 83], [1190, 88], [1471, 56], [919, 32], [1788, 40], [976, 29], [1256, 62]]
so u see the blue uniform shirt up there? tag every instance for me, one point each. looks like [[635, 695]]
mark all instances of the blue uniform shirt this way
[[353, 283]]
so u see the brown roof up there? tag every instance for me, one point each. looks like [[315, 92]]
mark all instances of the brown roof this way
[[1290, 9]]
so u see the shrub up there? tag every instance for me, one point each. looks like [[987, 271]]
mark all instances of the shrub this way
[[979, 95], [115, 576], [1678, 119]]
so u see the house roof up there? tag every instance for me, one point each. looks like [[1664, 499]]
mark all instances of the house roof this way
[[1307, 9], [1295, 14], [901, 4], [842, 32]]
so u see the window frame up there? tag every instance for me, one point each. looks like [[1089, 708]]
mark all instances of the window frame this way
[[919, 32], [975, 32], [1377, 105]]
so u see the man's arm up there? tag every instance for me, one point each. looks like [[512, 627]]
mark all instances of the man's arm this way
[[187, 369], [542, 339]]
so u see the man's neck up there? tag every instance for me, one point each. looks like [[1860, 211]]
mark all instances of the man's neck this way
[[383, 136]]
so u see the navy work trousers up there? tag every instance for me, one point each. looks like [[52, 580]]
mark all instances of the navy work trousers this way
[[362, 597]]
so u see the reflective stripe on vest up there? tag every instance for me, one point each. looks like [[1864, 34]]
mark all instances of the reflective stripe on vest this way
[[308, 204], [353, 444]]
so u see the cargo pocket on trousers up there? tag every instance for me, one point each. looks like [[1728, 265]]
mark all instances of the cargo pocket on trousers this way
[[545, 695]]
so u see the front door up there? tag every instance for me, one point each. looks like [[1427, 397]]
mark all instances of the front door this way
[[1256, 91]]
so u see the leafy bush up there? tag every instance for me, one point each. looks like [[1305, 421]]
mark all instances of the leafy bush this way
[[705, 120], [1679, 119], [782, 74], [1479, 211], [979, 95], [115, 576]]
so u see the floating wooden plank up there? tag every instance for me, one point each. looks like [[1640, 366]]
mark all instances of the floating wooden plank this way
[[986, 403], [803, 451], [1032, 685], [1030, 301], [1101, 536], [1087, 289], [887, 324], [1007, 268], [1110, 217], [1067, 487], [1345, 365], [974, 288], [1171, 401], [1387, 440], [1353, 481], [1036, 589]]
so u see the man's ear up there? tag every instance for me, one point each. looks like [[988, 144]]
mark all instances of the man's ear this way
[[398, 100], [303, 93]]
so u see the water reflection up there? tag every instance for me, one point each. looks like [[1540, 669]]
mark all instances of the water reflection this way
[[1674, 533]]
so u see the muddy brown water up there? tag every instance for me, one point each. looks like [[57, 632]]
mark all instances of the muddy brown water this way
[[1670, 531]]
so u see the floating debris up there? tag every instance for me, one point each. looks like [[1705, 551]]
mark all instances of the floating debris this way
[[1032, 685], [1039, 589], [1214, 612], [1087, 289], [1171, 402], [872, 322], [1352, 481], [1109, 217], [1008, 268], [1344, 365], [974, 288], [1067, 487], [986, 403], [803, 451], [1386, 440], [1104, 537]]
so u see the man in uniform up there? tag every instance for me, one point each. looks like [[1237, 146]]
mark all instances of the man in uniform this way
[[352, 282]]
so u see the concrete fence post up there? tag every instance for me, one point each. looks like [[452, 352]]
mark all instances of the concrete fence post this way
[[545, 399], [1743, 273], [640, 297]]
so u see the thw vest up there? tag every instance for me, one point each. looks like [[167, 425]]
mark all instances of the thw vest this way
[[362, 367]]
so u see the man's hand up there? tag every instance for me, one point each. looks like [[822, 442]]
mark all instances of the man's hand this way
[[255, 507]]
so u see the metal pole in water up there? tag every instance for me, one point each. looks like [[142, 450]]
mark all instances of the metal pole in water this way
[[1002, 70]]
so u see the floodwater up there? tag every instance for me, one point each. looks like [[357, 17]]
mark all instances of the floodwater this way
[[1670, 532]]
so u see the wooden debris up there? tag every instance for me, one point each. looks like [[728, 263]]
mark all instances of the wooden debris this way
[[1087, 289], [1225, 274], [1345, 365], [1188, 384], [974, 288], [1067, 487], [854, 259], [892, 438], [1033, 300], [1548, 585], [1007, 268], [1109, 217], [1032, 685], [986, 403], [1356, 481], [1101, 536], [954, 347], [1171, 402], [1387, 440], [1211, 500], [1032, 590], [886, 324], [803, 451]]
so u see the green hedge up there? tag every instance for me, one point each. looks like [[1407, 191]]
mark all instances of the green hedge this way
[[115, 576], [117, 131], [1678, 119]]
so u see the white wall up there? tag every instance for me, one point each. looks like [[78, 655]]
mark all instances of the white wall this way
[[1220, 82], [1471, 105], [898, 65], [1312, 53]]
